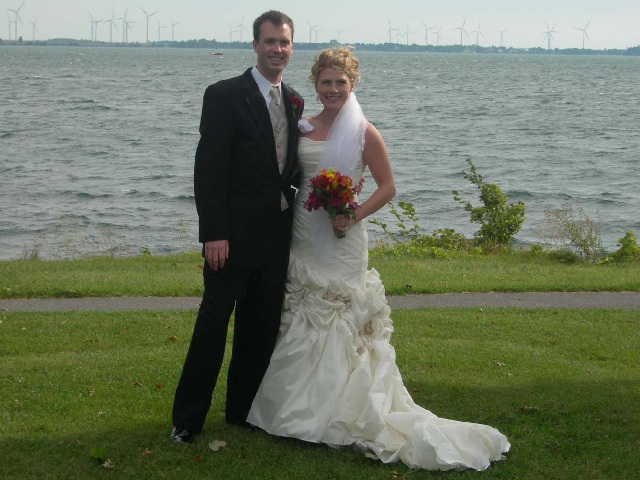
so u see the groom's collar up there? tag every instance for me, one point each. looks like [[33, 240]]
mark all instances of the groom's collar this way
[[264, 85]]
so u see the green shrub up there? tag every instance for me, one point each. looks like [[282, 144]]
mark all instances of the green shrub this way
[[499, 220], [629, 250]]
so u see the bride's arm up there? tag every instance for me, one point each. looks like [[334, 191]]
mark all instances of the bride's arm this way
[[376, 158]]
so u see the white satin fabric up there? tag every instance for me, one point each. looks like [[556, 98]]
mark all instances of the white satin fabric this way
[[333, 377]]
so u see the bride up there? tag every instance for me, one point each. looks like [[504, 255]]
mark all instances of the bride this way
[[333, 377]]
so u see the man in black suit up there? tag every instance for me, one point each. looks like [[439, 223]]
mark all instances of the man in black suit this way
[[243, 174]]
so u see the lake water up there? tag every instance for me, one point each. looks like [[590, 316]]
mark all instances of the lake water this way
[[97, 144]]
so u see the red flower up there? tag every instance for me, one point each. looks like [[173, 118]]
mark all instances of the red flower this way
[[296, 102], [332, 191]]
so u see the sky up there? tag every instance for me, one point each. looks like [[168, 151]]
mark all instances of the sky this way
[[608, 23]]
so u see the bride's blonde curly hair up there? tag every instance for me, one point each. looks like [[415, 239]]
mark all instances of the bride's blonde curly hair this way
[[340, 58]]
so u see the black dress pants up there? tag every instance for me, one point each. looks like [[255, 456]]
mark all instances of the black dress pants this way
[[256, 294]]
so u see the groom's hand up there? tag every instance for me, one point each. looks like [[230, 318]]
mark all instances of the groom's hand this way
[[216, 253]]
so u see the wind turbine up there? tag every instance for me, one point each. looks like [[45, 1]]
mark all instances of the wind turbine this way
[[124, 25], [311, 27], [94, 29], [16, 18], [10, 22], [426, 33], [461, 28], [241, 27], [501, 32], [478, 35], [390, 31], [339, 32], [173, 26], [128, 27], [160, 27], [148, 15], [33, 29], [407, 32], [112, 24], [549, 35], [438, 36], [231, 30], [316, 29], [584, 32]]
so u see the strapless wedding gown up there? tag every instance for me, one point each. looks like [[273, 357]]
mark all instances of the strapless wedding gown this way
[[333, 378]]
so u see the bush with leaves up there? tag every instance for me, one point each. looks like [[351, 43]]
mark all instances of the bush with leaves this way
[[499, 220], [629, 250]]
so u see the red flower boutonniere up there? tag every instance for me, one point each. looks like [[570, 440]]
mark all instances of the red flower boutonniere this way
[[296, 103]]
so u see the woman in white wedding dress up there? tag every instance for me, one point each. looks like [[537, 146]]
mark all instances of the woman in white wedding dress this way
[[333, 377]]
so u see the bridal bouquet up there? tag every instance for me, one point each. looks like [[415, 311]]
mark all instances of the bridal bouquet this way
[[335, 193]]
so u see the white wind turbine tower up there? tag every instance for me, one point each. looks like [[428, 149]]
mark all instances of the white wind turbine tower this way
[[584, 32], [112, 24], [160, 27], [231, 30], [311, 27], [10, 22], [501, 32], [316, 30], [16, 19], [94, 29], [241, 27], [426, 33], [549, 35], [339, 32], [33, 30], [124, 25], [128, 27], [173, 26], [407, 32], [478, 35], [148, 15], [390, 31], [438, 36], [462, 30]]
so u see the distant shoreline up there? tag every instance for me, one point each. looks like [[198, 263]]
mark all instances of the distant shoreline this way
[[381, 47]]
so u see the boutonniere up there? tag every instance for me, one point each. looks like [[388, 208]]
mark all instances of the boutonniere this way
[[296, 103]]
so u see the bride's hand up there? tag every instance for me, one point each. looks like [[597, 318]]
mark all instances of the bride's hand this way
[[343, 222]]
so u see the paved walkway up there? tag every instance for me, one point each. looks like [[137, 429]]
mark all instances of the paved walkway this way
[[580, 300]]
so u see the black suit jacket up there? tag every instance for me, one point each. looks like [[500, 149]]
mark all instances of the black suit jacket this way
[[236, 177]]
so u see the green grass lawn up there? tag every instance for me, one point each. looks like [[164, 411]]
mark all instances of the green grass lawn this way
[[563, 385], [181, 275]]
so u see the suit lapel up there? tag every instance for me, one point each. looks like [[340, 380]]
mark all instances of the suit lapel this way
[[293, 126]]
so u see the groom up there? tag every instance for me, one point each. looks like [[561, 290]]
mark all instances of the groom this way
[[243, 174]]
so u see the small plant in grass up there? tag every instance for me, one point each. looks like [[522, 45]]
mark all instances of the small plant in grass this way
[[499, 220], [628, 250], [570, 226]]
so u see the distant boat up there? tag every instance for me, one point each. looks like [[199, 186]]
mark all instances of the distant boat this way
[[217, 53]]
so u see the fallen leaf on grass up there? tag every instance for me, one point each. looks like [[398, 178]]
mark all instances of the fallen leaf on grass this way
[[159, 385], [137, 384], [173, 338], [197, 457], [108, 464], [524, 409], [216, 445], [147, 452]]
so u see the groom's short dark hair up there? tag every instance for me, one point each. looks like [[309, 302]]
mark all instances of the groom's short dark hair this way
[[273, 16]]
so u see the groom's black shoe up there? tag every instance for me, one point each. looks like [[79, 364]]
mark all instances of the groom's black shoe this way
[[181, 436]]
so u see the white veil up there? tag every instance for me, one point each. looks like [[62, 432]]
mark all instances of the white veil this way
[[342, 152]]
